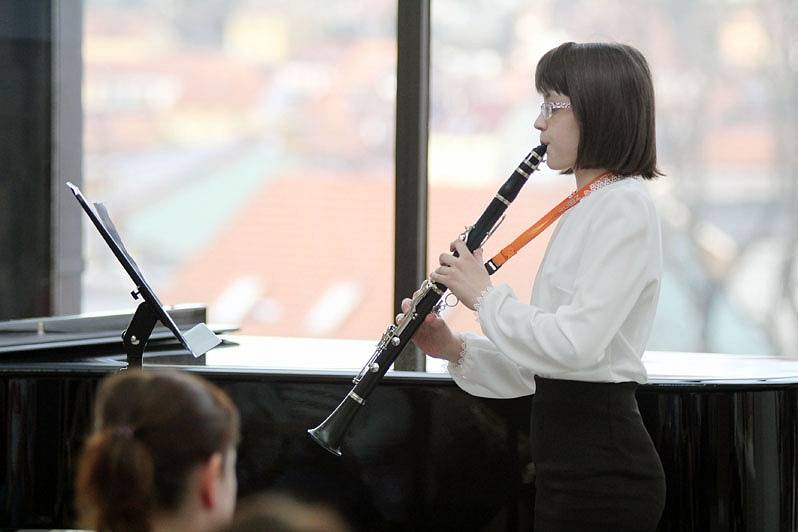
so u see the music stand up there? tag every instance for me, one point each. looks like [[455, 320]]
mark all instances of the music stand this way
[[197, 341]]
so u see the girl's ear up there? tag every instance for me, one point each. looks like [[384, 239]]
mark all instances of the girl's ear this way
[[209, 473]]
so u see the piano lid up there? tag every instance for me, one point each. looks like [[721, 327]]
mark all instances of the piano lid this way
[[46, 334], [313, 355]]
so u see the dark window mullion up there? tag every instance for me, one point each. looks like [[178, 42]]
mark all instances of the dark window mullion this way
[[412, 125]]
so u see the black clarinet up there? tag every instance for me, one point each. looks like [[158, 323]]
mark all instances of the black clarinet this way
[[332, 430]]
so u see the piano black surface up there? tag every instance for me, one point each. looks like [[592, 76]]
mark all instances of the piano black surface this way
[[422, 454]]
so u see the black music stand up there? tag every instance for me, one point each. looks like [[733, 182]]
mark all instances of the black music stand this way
[[197, 341]]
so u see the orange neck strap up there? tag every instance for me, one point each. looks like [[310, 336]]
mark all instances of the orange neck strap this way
[[524, 238]]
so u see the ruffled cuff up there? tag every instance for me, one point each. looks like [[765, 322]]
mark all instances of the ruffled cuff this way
[[480, 301], [460, 366], [462, 350]]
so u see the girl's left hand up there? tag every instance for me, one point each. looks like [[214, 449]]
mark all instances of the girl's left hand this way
[[465, 275]]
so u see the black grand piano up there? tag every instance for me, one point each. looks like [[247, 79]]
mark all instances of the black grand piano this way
[[422, 455]]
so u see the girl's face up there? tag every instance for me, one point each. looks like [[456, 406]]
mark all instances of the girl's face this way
[[560, 132]]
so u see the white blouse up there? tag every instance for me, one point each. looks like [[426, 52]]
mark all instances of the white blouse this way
[[592, 307]]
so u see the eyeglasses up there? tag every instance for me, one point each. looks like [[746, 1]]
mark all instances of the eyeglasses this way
[[547, 108]]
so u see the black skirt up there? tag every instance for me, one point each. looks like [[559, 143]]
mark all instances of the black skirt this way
[[596, 468]]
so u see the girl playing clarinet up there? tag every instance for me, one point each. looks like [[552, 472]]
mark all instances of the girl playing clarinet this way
[[577, 345]]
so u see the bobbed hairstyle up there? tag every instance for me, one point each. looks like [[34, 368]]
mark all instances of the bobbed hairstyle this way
[[151, 431], [612, 98]]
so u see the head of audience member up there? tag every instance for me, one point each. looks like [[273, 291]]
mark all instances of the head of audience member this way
[[281, 512], [161, 457]]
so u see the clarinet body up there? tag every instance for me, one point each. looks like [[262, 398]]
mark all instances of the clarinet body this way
[[332, 430]]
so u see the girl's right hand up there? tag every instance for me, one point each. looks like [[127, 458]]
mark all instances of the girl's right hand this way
[[434, 336]]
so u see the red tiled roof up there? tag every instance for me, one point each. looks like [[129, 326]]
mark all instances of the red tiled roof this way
[[300, 236]]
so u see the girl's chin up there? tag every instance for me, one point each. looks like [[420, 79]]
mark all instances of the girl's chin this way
[[555, 164]]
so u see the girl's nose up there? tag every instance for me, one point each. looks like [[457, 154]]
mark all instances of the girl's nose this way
[[540, 124]]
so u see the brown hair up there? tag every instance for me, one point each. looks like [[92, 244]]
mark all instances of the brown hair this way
[[283, 512], [612, 97], [151, 430]]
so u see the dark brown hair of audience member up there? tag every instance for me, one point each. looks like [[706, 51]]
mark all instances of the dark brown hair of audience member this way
[[152, 431], [280, 512]]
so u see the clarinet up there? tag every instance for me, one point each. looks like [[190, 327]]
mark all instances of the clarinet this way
[[430, 295]]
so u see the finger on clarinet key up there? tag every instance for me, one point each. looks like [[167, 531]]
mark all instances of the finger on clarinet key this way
[[460, 247]]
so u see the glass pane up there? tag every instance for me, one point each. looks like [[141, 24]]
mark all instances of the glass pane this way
[[724, 74], [245, 151]]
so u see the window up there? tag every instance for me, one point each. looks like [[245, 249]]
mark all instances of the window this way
[[245, 151], [723, 73]]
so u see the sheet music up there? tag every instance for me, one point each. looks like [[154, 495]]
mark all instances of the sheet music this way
[[105, 218], [203, 338]]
